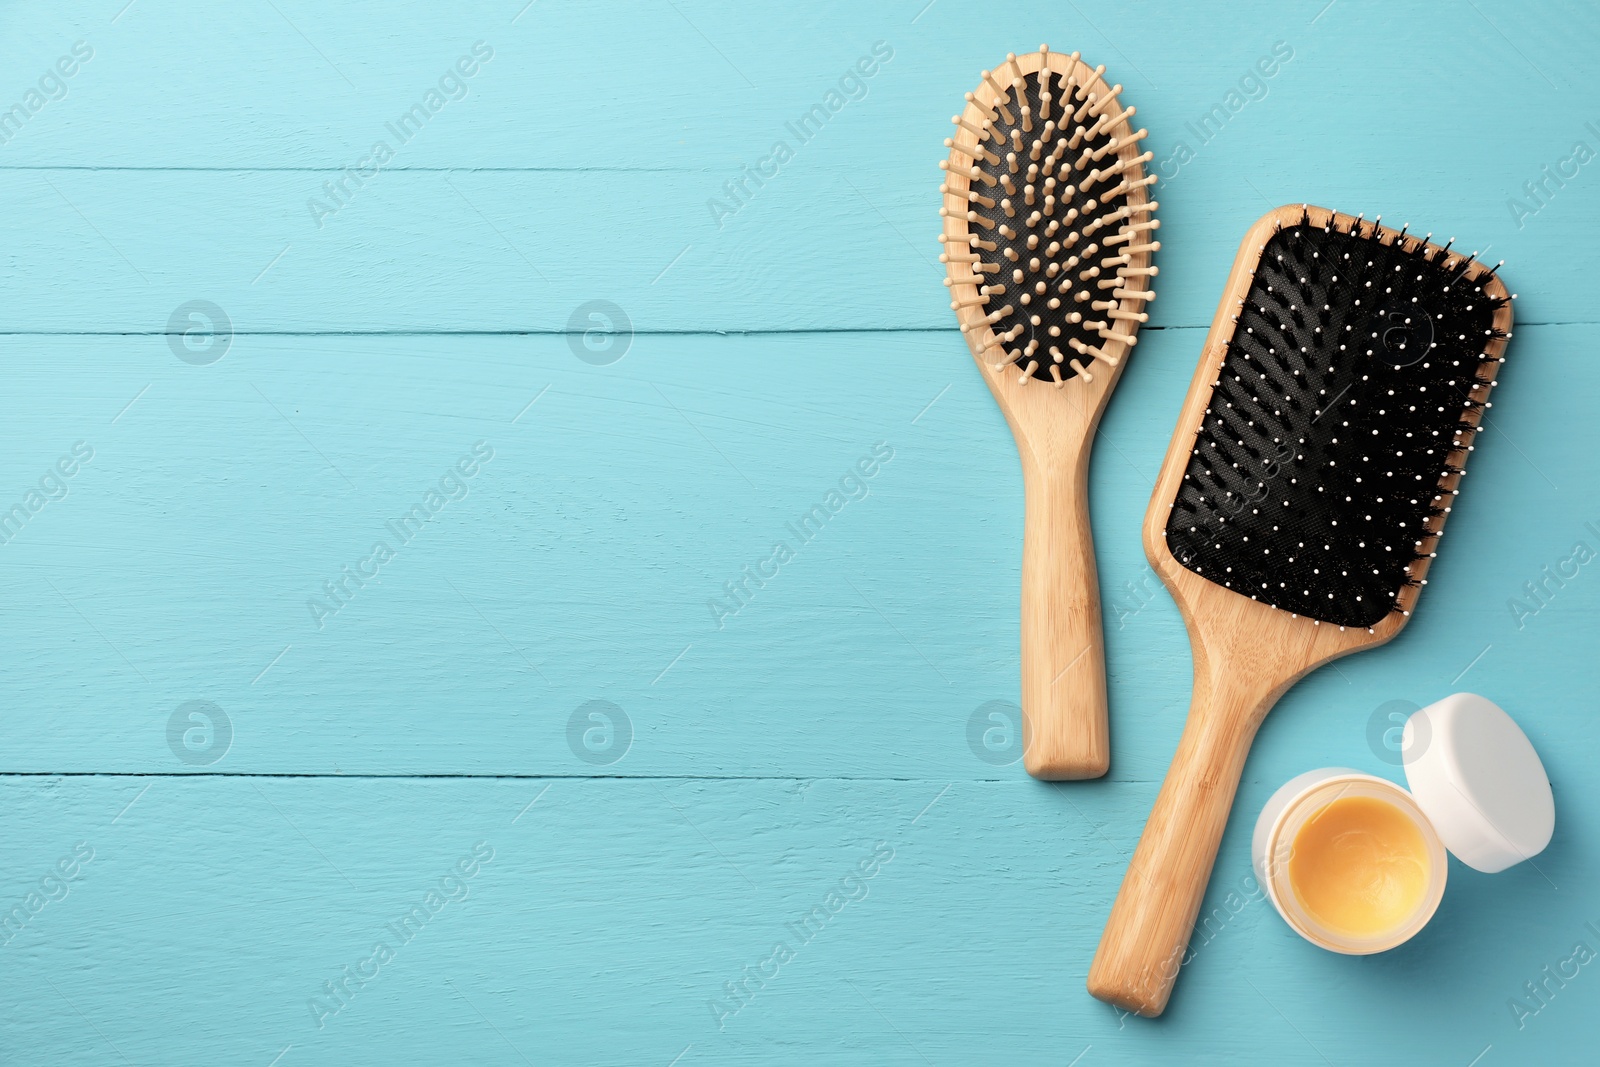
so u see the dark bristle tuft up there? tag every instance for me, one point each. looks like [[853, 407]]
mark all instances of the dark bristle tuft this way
[[1339, 409]]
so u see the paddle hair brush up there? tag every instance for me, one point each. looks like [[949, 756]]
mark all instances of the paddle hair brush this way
[[1047, 235], [1302, 498]]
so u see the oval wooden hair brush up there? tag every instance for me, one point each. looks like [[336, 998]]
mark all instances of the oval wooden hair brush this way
[[1047, 235], [1302, 498]]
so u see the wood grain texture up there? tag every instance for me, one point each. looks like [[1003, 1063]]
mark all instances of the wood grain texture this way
[[450, 234], [770, 354], [1064, 724], [1247, 653], [612, 913]]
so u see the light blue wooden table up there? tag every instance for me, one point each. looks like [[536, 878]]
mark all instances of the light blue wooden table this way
[[246, 746]]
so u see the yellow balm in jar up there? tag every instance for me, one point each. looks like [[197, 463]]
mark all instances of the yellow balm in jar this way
[[1360, 866], [1350, 861], [1356, 863]]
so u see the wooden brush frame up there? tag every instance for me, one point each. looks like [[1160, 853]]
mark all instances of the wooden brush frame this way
[[1246, 655], [1065, 733]]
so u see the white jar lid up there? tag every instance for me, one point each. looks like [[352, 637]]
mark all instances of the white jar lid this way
[[1476, 776]]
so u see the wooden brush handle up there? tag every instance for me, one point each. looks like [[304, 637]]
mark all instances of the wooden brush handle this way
[[1143, 944], [1063, 654]]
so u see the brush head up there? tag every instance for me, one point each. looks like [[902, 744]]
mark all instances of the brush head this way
[[1341, 411], [1048, 223]]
